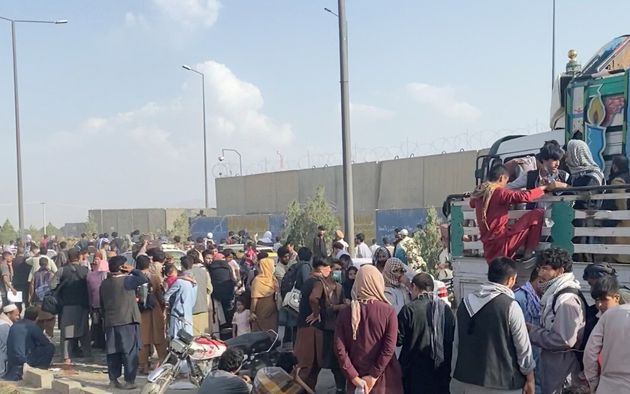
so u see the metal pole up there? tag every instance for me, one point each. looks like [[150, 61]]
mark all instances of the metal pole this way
[[553, 44], [44, 216], [345, 126], [240, 163], [18, 144], [205, 144]]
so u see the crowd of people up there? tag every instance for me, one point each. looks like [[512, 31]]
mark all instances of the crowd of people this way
[[384, 327], [545, 342]]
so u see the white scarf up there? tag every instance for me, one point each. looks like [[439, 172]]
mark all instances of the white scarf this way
[[488, 291], [553, 287]]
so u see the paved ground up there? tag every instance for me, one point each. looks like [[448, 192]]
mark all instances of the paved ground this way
[[94, 374]]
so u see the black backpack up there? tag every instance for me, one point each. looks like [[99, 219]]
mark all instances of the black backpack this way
[[591, 321], [290, 278]]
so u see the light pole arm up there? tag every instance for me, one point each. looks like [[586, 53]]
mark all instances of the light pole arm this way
[[240, 158]]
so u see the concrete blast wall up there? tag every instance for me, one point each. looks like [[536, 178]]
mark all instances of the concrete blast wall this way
[[150, 220], [394, 184]]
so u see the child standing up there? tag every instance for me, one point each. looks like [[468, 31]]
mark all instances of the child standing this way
[[240, 321]]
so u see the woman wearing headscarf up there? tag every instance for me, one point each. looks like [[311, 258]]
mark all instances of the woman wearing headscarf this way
[[266, 240], [348, 282], [380, 256], [584, 172], [365, 337], [264, 312], [396, 289]]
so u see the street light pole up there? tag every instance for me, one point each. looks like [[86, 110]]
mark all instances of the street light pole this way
[[44, 216], [345, 125], [18, 143], [553, 44], [205, 135], [240, 158]]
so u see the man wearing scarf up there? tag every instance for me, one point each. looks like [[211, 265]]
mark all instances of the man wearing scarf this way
[[491, 350], [426, 328], [562, 321], [491, 201]]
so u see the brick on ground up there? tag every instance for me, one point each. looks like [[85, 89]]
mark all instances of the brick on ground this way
[[38, 378], [93, 390], [66, 386]]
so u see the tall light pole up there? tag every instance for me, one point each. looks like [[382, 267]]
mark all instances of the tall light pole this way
[[553, 43], [205, 145], [240, 158], [44, 216], [18, 144], [346, 144]]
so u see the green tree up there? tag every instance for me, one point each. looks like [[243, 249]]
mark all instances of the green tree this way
[[34, 232], [181, 227], [51, 229], [429, 240], [7, 232], [303, 219]]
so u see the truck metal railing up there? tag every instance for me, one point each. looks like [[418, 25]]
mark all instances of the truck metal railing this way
[[594, 233]]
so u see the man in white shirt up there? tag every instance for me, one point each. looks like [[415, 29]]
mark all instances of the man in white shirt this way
[[339, 238], [374, 246], [10, 314], [33, 261], [363, 251]]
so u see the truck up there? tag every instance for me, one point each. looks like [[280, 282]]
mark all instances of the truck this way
[[588, 103]]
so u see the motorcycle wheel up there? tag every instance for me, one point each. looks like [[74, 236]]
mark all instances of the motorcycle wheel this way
[[160, 385]]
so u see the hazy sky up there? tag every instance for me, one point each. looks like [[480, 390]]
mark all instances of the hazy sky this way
[[111, 120]]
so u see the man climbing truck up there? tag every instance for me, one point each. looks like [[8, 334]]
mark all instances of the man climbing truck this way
[[588, 103]]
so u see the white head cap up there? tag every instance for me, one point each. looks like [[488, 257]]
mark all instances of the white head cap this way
[[9, 308]]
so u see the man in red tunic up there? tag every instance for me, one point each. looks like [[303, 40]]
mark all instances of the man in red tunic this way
[[492, 200]]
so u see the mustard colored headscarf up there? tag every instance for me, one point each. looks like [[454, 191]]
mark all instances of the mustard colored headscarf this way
[[264, 284]]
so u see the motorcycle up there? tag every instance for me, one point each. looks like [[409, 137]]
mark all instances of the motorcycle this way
[[199, 353], [260, 349]]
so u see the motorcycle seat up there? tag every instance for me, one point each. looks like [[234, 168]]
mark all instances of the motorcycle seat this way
[[253, 342]]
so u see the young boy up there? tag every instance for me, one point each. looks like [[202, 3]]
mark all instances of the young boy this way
[[607, 351], [491, 201], [240, 321]]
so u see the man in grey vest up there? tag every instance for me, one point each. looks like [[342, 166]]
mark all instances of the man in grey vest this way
[[121, 321], [491, 351]]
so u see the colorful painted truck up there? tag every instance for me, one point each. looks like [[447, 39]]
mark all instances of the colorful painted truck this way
[[588, 103]]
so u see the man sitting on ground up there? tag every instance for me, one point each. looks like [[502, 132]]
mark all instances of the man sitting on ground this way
[[27, 344], [225, 380]]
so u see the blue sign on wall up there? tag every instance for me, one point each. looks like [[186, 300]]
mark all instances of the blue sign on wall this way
[[201, 226], [276, 224], [387, 220]]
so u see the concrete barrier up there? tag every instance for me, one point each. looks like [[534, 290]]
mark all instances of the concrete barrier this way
[[66, 386], [38, 378], [93, 390]]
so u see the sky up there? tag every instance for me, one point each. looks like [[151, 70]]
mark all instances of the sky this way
[[110, 119]]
